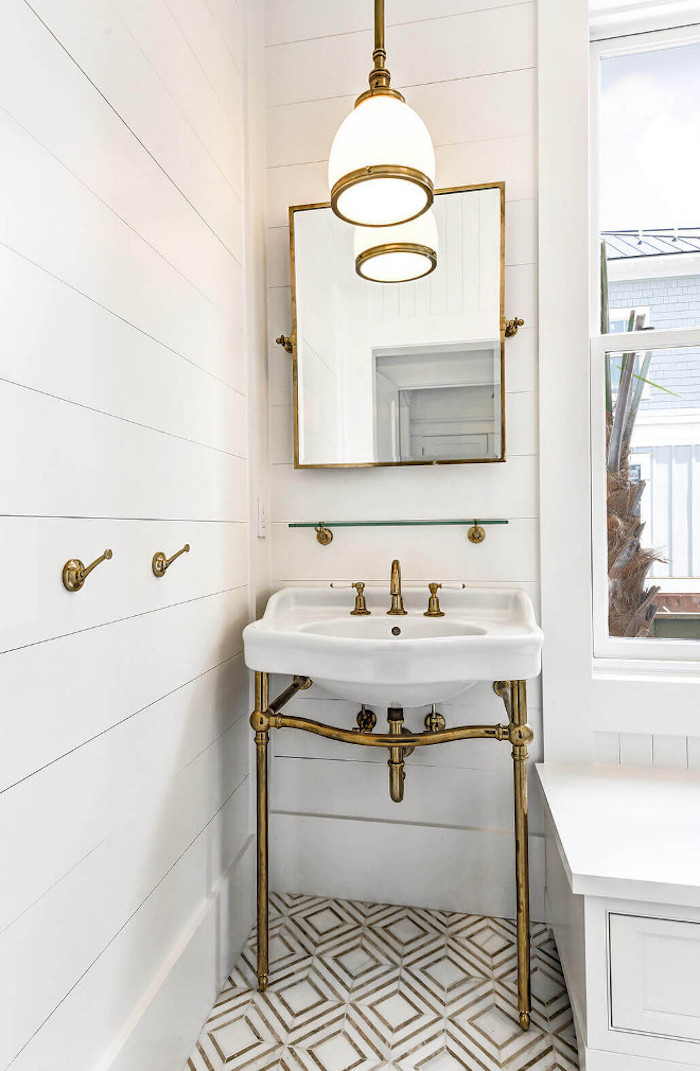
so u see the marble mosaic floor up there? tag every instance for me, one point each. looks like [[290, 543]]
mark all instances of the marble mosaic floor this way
[[359, 987]]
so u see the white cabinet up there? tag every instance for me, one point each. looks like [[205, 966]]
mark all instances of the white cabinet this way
[[655, 976], [622, 898]]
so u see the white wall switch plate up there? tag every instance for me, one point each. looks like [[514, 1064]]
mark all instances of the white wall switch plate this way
[[262, 518]]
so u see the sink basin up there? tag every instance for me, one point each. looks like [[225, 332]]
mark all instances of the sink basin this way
[[486, 634]]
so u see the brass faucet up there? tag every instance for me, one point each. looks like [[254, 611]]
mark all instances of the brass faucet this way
[[395, 589]]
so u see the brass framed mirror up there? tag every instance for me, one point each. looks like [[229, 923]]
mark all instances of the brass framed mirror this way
[[400, 373]]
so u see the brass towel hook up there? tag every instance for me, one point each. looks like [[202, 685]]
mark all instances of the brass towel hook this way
[[160, 563], [74, 572]]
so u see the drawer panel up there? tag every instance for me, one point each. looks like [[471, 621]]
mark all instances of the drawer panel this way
[[655, 976]]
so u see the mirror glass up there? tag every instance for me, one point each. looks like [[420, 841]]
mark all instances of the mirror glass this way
[[400, 373]]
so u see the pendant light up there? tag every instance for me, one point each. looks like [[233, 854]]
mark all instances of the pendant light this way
[[382, 163], [397, 254]]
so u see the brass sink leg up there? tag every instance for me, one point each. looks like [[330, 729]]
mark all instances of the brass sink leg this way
[[260, 723], [514, 695], [397, 773]]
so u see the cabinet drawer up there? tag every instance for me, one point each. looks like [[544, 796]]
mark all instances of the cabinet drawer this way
[[655, 976]]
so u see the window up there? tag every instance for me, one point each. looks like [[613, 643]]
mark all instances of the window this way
[[645, 400], [619, 319]]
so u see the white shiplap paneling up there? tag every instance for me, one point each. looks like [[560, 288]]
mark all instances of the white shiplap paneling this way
[[124, 389]]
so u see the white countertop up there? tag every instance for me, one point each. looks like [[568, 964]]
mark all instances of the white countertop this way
[[627, 832]]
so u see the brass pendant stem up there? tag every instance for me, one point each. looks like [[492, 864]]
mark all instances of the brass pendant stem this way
[[379, 29], [379, 78]]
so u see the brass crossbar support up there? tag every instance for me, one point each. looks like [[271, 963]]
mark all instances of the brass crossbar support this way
[[517, 732], [356, 736]]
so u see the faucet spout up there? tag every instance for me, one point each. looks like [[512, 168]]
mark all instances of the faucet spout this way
[[395, 590]]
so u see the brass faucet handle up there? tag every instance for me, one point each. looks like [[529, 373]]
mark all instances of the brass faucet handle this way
[[433, 602], [360, 601]]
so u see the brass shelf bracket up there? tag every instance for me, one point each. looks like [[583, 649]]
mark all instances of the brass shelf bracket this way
[[160, 563], [75, 573], [286, 342], [511, 326], [476, 533], [323, 535]]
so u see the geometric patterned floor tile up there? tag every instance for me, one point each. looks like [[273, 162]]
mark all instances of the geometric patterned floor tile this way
[[376, 987]]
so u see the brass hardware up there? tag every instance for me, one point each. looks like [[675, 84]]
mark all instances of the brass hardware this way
[[517, 732], [410, 174], [412, 740], [397, 609], [360, 601], [160, 563], [476, 533], [397, 773], [286, 342], [511, 326], [434, 603], [502, 364], [298, 684], [74, 572], [323, 535], [366, 720], [514, 696], [261, 738], [379, 77], [502, 690], [379, 85], [397, 247], [434, 722]]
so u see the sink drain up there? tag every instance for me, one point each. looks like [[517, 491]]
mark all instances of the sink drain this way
[[396, 631]]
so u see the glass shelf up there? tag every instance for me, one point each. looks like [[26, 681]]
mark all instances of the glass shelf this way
[[324, 529], [391, 524]]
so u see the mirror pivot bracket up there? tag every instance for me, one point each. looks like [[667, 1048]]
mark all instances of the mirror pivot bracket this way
[[510, 327]]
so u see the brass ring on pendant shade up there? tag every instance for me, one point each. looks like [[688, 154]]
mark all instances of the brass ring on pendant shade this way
[[396, 247], [381, 171]]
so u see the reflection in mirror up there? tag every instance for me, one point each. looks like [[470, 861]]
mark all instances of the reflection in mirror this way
[[400, 373]]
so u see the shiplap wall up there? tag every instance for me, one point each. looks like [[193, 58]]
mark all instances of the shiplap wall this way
[[468, 67], [127, 310]]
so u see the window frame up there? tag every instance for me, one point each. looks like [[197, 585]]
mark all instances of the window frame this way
[[580, 699], [672, 657]]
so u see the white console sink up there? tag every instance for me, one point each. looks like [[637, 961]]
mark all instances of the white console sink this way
[[486, 634]]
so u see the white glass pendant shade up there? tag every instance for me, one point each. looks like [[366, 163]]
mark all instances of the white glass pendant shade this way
[[397, 254], [382, 164]]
